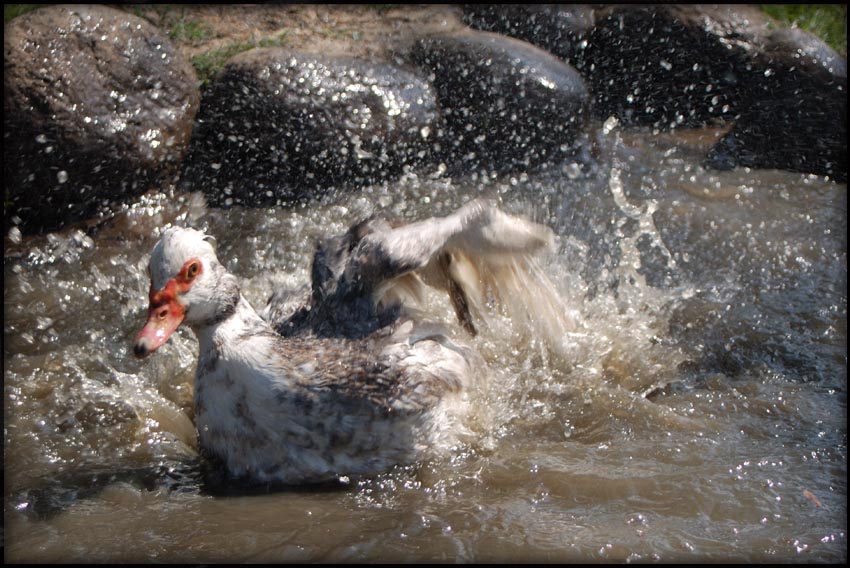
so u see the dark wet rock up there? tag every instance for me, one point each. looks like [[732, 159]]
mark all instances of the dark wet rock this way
[[671, 66], [796, 113], [98, 107], [659, 65], [277, 125], [808, 53], [506, 103], [561, 29]]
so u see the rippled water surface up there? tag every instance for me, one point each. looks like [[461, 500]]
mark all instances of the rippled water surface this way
[[698, 412]]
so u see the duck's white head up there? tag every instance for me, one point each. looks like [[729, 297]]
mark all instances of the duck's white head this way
[[187, 284]]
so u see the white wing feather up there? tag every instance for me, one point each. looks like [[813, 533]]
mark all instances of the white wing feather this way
[[487, 261]]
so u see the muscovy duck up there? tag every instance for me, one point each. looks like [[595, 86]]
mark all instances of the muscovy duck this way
[[352, 383]]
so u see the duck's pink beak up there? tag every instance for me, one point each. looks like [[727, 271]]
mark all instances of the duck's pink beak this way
[[164, 317]]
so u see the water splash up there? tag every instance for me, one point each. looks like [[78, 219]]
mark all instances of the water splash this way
[[630, 261], [552, 437]]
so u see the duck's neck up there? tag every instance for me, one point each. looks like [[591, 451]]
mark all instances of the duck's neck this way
[[231, 336]]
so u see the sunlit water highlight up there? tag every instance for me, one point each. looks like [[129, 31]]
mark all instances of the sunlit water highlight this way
[[696, 410]]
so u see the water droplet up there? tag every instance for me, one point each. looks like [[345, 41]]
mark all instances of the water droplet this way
[[610, 124], [15, 235], [62, 176]]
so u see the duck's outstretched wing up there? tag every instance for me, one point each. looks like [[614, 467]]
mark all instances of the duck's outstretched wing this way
[[482, 257], [478, 228]]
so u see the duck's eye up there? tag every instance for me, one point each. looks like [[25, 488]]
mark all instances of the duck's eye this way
[[192, 270]]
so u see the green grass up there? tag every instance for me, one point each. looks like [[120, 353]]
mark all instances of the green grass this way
[[380, 8], [827, 21], [11, 11], [208, 64], [188, 31], [171, 18]]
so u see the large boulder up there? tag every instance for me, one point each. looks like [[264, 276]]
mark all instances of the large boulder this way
[[658, 65], [796, 112], [506, 103], [671, 66], [561, 29], [277, 125], [691, 65], [98, 108]]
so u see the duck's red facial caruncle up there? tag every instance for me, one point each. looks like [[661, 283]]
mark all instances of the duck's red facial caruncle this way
[[166, 312]]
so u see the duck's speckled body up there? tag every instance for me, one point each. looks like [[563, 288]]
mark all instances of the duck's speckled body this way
[[349, 384]]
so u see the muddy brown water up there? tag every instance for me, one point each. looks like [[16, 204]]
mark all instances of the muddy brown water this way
[[697, 414]]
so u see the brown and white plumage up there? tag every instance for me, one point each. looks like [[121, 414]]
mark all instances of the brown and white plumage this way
[[351, 383]]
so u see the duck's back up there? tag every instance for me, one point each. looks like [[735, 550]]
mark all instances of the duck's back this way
[[387, 397], [316, 407]]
